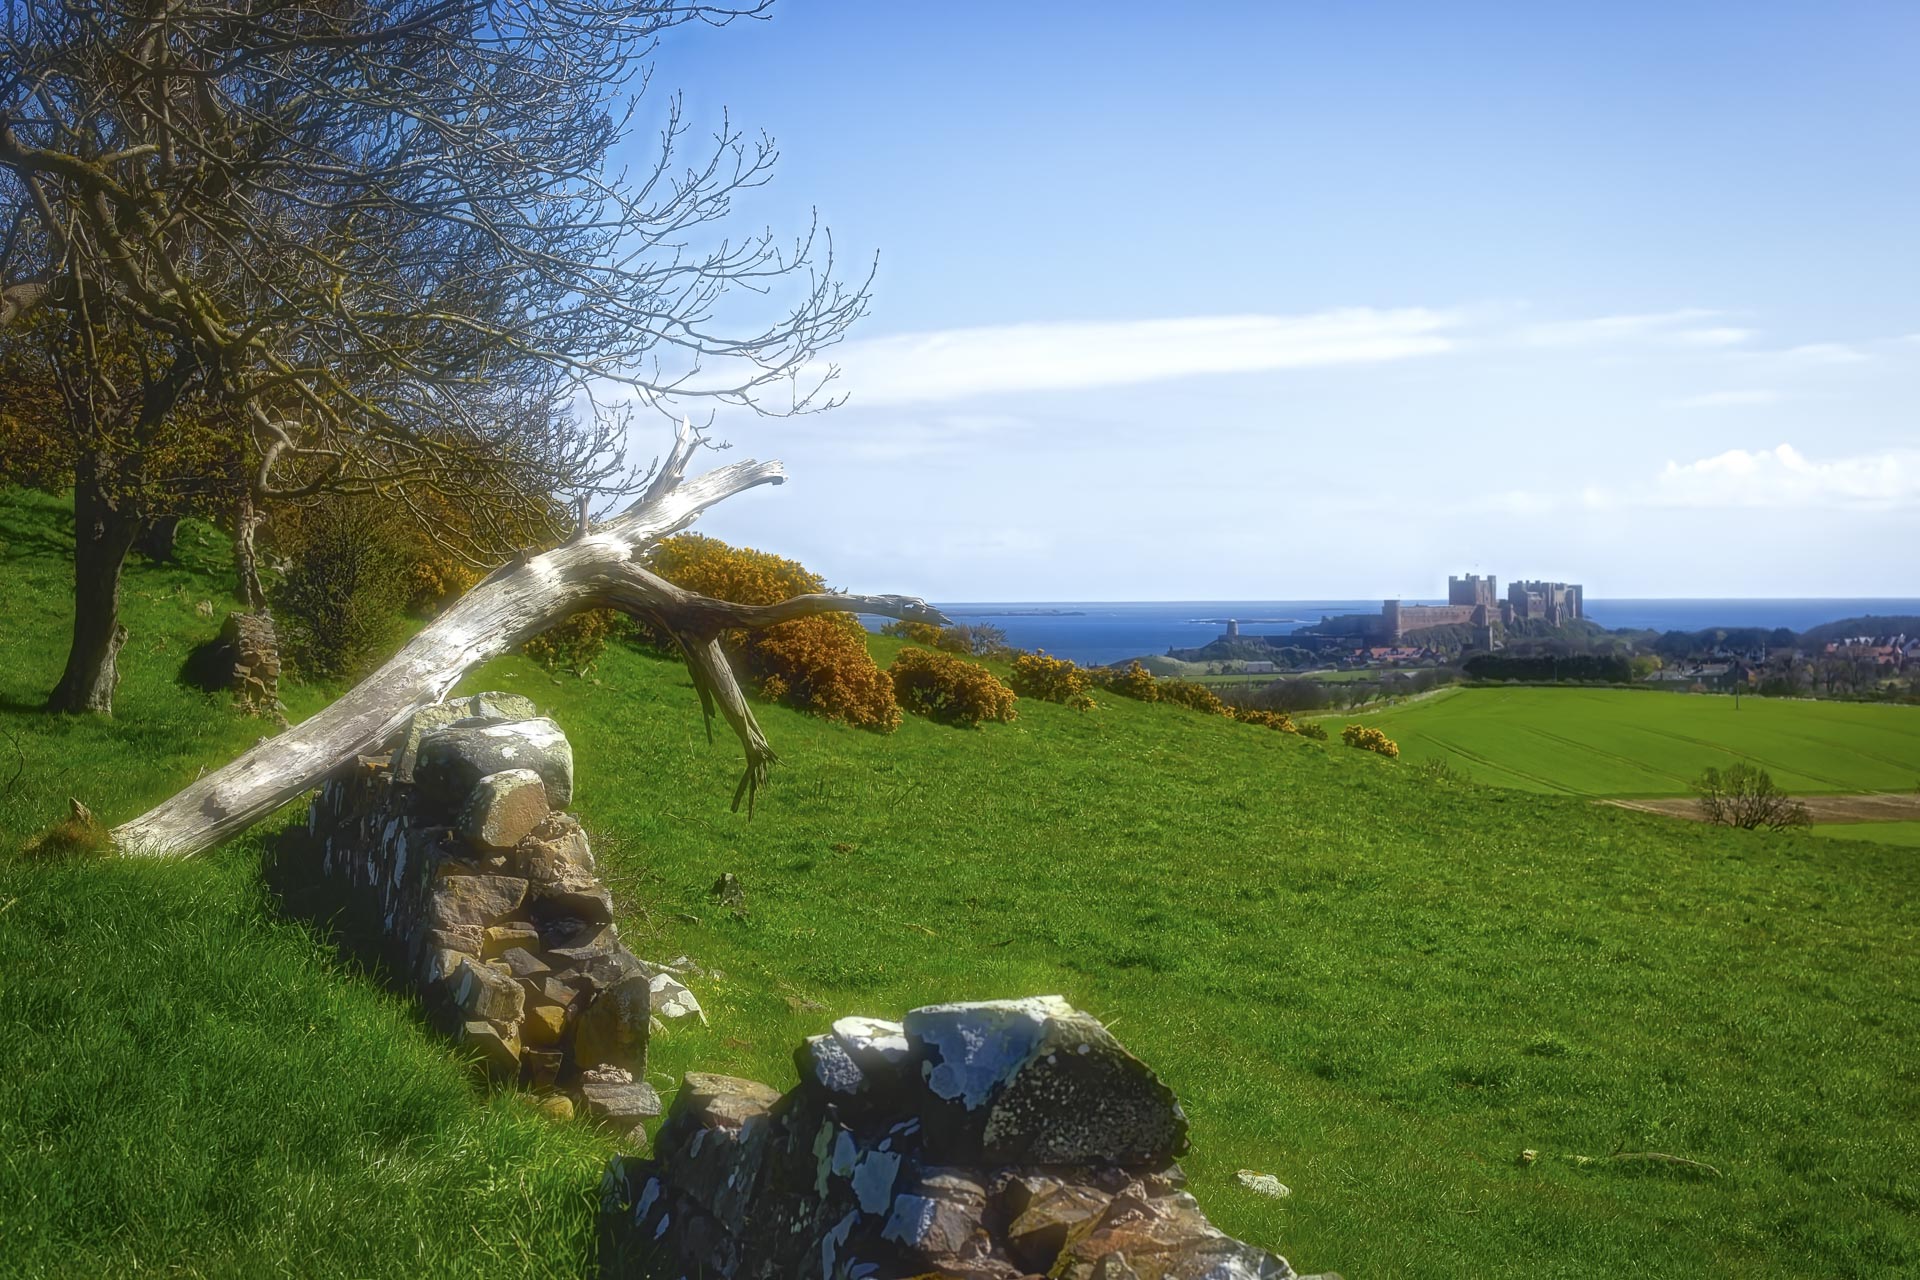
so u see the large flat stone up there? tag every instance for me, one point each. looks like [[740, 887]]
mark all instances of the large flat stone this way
[[473, 901], [613, 1030], [482, 991], [452, 759], [555, 851], [481, 708], [502, 808], [621, 1103], [1036, 1081]]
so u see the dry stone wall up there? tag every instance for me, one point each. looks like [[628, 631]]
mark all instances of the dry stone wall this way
[[990, 1141], [455, 862]]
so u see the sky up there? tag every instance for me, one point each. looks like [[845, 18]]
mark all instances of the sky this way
[[1293, 300]]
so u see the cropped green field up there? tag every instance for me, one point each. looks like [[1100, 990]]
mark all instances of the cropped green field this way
[[1628, 743], [1901, 833], [1377, 985]]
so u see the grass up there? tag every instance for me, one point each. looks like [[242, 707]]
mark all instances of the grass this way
[[1626, 743], [1900, 833], [1376, 985]]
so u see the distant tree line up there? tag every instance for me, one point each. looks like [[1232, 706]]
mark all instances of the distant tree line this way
[[1583, 667]]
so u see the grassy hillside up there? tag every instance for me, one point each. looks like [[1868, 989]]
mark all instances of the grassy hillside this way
[[1379, 987], [1622, 742]]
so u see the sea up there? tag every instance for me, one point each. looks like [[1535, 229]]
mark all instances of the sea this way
[[1092, 632]]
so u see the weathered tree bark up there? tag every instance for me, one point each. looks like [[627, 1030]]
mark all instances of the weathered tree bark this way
[[158, 538], [246, 561], [598, 569], [103, 534]]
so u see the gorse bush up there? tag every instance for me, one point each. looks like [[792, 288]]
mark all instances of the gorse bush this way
[[1194, 697], [1367, 738], [979, 640], [915, 632], [1269, 719], [338, 605], [1312, 729], [817, 664], [943, 688], [1050, 679], [1131, 681], [574, 644]]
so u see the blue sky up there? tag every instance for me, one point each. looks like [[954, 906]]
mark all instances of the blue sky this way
[[1292, 300]]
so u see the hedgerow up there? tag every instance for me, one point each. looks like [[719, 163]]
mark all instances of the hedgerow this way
[[944, 688], [818, 664]]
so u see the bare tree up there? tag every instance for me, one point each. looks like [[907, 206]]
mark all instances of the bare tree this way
[[375, 245], [1747, 797], [599, 568]]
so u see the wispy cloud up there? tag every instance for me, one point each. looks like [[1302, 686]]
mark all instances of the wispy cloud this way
[[1825, 353], [1784, 477], [1690, 327], [1727, 399], [952, 364]]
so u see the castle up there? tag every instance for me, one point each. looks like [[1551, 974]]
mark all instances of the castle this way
[[1472, 601]]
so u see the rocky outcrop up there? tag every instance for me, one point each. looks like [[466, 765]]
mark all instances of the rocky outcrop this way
[[454, 863], [988, 1141]]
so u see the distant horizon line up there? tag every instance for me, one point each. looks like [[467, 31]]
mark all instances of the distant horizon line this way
[[1912, 599]]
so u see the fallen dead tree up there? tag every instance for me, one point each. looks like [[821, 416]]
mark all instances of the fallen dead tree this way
[[599, 568]]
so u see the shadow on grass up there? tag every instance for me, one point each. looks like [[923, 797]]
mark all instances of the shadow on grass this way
[[295, 890]]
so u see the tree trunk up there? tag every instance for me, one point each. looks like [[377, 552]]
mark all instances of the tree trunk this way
[[157, 538], [598, 569], [246, 562], [104, 529]]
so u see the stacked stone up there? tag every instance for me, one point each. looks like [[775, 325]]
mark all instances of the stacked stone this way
[[256, 662], [986, 1141], [457, 863]]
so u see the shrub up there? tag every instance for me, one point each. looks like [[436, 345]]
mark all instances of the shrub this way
[[1440, 771], [945, 689], [1132, 681], [1194, 697], [1271, 719], [1312, 729], [340, 600], [435, 579], [1050, 679], [1367, 738], [1747, 797], [818, 664], [577, 642], [914, 632], [978, 640]]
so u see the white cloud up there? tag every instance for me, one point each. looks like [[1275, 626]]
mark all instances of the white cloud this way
[[1785, 477], [1687, 327], [1726, 399], [952, 364], [1825, 353]]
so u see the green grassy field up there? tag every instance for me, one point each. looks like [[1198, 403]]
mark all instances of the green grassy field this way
[[1902, 833], [1376, 985], [1622, 742]]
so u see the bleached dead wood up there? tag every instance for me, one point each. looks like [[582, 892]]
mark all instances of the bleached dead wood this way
[[600, 568]]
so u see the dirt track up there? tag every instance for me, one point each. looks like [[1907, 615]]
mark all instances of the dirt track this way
[[1887, 806]]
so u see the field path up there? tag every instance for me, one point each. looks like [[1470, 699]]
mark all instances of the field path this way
[[1888, 806]]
